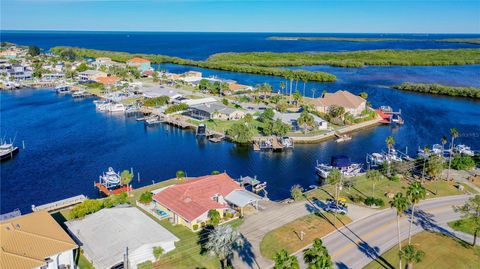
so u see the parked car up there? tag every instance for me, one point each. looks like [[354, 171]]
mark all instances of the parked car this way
[[335, 208]]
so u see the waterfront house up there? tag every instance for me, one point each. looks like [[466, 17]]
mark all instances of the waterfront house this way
[[107, 234], [35, 240], [90, 75], [20, 72], [292, 120], [139, 63], [235, 87], [107, 80], [353, 104], [194, 74], [189, 203], [215, 111], [52, 76], [102, 61]]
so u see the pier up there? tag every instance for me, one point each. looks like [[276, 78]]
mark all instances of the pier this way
[[272, 143], [61, 204], [115, 191]]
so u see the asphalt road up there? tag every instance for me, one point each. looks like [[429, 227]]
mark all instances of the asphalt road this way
[[361, 242]]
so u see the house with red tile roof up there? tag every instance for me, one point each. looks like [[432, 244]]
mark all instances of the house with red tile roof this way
[[107, 80], [189, 203], [141, 64], [353, 104]]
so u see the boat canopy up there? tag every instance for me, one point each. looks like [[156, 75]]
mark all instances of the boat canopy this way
[[340, 161]]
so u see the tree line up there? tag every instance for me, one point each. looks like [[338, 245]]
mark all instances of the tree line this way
[[469, 92]]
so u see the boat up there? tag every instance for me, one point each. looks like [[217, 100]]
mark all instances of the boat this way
[[376, 159], [386, 109], [343, 138], [396, 119], [340, 162], [116, 107], [7, 150], [201, 130], [152, 120], [436, 149], [62, 89], [102, 106], [287, 142], [110, 179], [132, 109], [464, 150], [79, 94]]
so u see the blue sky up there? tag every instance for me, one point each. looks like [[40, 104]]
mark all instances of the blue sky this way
[[367, 16]]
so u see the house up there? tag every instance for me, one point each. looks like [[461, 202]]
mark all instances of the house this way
[[139, 63], [353, 104], [193, 74], [53, 76], [235, 87], [215, 111], [90, 75], [35, 240], [105, 236], [292, 120], [199, 101], [19, 72], [188, 203], [102, 61], [107, 80]]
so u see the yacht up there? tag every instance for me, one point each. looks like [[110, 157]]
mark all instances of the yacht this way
[[287, 142], [110, 179], [436, 149], [7, 151], [465, 150], [342, 163], [62, 89], [152, 120], [376, 159]]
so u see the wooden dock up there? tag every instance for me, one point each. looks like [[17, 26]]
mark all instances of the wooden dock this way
[[61, 204], [109, 192]]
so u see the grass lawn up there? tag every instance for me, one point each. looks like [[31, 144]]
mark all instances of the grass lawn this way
[[288, 237], [362, 188], [440, 250], [462, 225], [83, 263], [224, 125]]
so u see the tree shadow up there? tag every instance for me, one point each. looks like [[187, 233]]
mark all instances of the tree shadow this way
[[341, 265], [203, 238], [426, 221], [246, 253]]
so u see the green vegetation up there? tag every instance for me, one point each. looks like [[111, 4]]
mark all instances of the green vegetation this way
[[241, 133], [71, 53], [463, 225], [344, 39], [145, 265], [126, 177], [296, 192], [222, 243], [441, 252], [463, 163], [146, 197], [411, 255], [283, 260], [317, 257], [469, 92], [157, 252], [176, 108], [431, 57], [180, 174], [33, 51], [471, 215], [83, 262], [288, 236], [157, 101], [461, 40], [214, 217], [91, 206]]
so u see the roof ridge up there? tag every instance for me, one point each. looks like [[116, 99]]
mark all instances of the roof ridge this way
[[22, 256]]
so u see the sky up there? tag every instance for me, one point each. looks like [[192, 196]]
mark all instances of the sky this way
[[339, 16]]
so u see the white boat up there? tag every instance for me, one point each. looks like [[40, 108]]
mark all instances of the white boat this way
[[62, 89], [342, 163], [116, 107], [110, 179], [376, 159], [287, 142], [343, 138], [152, 120], [7, 151], [436, 149], [79, 94], [465, 150]]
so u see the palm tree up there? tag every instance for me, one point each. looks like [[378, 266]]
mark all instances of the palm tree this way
[[411, 255], [374, 176], [454, 134], [390, 141], [282, 86], [285, 261], [400, 203], [222, 242], [317, 256], [443, 141], [415, 193]]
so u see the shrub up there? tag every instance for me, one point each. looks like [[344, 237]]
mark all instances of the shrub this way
[[395, 178], [355, 198], [108, 203], [180, 174], [176, 108], [463, 163], [296, 192], [195, 227], [157, 252], [145, 265], [157, 101], [372, 201], [85, 208], [146, 197]]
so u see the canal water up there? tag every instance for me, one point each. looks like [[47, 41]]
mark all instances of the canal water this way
[[69, 144]]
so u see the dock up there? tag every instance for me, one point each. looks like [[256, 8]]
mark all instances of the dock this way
[[271, 143], [115, 191], [61, 204]]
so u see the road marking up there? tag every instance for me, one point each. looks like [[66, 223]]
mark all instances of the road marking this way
[[380, 229]]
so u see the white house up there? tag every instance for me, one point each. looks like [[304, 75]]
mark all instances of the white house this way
[[106, 235], [35, 240]]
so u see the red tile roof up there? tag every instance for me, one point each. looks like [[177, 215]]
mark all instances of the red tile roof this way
[[192, 199], [138, 60], [107, 80]]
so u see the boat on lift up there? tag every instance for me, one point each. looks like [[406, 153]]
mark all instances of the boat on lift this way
[[110, 179], [342, 163], [436, 149], [116, 107], [287, 142]]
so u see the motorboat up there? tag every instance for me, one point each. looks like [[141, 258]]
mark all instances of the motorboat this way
[[436, 149], [287, 142], [464, 150], [152, 120], [343, 138], [110, 179], [7, 150], [342, 163], [101, 105], [116, 107], [63, 89], [376, 159]]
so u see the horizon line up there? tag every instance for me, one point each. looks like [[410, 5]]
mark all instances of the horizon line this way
[[251, 32]]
